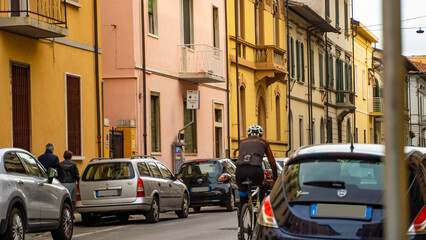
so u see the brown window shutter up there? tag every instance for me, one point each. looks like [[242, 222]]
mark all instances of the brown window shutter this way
[[74, 115], [21, 106]]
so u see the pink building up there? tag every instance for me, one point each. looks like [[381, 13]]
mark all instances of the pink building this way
[[185, 49]]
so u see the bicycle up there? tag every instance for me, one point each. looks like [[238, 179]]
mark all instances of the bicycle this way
[[248, 213]]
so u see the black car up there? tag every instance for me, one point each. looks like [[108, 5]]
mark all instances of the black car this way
[[332, 192], [210, 182]]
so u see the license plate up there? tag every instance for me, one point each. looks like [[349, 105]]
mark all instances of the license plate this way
[[200, 189], [322, 210], [107, 193]]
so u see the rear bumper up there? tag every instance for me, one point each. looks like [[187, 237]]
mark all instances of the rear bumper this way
[[208, 198], [141, 204]]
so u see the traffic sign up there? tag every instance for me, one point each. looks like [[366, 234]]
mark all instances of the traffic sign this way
[[192, 99]]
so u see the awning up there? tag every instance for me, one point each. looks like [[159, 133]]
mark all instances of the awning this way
[[311, 16]]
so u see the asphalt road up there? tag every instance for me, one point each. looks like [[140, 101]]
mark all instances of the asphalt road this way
[[211, 223]]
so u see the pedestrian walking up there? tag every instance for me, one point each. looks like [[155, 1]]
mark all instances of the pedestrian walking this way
[[70, 176], [50, 160]]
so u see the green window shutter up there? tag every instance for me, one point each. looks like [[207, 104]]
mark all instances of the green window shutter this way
[[332, 72], [292, 57], [150, 6], [312, 68], [321, 71], [303, 61], [337, 74], [350, 78], [298, 59]]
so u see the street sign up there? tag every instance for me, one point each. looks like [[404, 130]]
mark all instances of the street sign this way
[[192, 99]]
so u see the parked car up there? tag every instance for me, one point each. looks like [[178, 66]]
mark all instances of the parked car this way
[[332, 192], [210, 182], [137, 185], [30, 199]]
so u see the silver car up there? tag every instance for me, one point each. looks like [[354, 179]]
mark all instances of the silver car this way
[[137, 185], [30, 199]]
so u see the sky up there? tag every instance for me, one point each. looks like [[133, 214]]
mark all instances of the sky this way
[[413, 16]]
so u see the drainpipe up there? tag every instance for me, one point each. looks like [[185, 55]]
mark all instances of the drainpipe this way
[[227, 83], [236, 70], [144, 78], [310, 104], [326, 85], [288, 83], [353, 66], [98, 107]]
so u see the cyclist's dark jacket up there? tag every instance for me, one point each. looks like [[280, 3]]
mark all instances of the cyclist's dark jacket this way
[[251, 152]]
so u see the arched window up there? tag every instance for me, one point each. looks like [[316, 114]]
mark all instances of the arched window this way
[[348, 132], [243, 127], [261, 115]]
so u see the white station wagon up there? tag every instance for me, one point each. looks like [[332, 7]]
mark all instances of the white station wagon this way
[[137, 185]]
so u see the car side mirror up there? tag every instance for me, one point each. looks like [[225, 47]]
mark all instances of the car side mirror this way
[[52, 174], [179, 177]]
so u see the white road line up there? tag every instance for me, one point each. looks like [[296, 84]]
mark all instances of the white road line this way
[[105, 230]]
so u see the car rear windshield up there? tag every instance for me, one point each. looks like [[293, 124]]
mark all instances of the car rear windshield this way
[[108, 171], [314, 176], [195, 169]]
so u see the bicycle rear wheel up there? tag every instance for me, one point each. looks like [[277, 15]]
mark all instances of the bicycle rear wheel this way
[[247, 222]]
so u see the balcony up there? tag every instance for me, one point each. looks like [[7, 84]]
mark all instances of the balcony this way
[[270, 63], [377, 106], [34, 18], [345, 103], [201, 63]]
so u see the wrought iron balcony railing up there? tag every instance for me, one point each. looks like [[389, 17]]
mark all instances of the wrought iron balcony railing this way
[[34, 18], [201, 63]]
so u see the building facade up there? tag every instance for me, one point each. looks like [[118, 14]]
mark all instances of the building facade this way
[[417, 103], [151, 58], [258, 94], [48, 77]]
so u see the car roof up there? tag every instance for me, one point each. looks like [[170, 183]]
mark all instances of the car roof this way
[[370, 149], [206, 159]]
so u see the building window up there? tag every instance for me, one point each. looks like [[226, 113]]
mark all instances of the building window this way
[[242, 111], [355, 81], [155, 123], [329, 130], [321, 70], [21, 110], [298, 59], [218, 131], [337, 13], [356, 134], [346, 18], [276, 24], [261, 115], [301, 131], [327, 8], [322, 131], [190, 134], [339, 131], [152, 17], [74, 115], [365, 135], [278, 116], [312, 60], [364, 86], [187, 20], [216, 38], [348, 131], [314, 135], [241, 18]]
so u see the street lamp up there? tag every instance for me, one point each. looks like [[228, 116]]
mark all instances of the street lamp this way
[[420, 31]]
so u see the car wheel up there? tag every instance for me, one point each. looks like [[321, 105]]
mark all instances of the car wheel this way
[[185, 207], [15, 226], [197, 209], [230, 206], [123, 218], [66, 226], [153, 215], [88, 219]]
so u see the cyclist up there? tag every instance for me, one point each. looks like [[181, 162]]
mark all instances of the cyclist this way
[[249, 164]]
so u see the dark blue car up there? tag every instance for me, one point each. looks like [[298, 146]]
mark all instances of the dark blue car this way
[[331, 192]]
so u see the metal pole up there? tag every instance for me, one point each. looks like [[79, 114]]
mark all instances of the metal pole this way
[[236, 71], [145, 150], [395, 176], [228, 130]]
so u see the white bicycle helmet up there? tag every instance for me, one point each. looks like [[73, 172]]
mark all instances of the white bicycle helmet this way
[[255, 129]]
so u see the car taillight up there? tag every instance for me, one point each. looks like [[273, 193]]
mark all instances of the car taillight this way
[[140, 191], [224, 177], [266, 216], [77, 192], [419, 224]]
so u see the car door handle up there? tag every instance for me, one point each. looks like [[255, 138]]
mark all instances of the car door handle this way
[[40, 183], [20, 182], [159, 184], [170, 185]]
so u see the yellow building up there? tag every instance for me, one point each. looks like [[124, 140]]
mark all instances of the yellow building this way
[[368, 87], [262, 71], [49, 88]]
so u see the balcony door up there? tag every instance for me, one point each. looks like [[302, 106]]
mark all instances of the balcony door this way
[[16, 6], [21, 106]]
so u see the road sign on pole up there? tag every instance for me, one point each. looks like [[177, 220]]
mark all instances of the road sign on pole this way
[[192, 99]]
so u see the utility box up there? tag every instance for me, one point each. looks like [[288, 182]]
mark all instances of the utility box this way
[[128, 127], [107, 138]]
